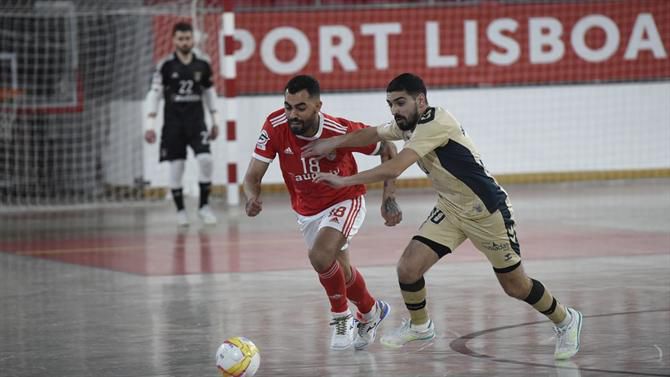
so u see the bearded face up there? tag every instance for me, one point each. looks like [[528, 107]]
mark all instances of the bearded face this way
[[302, 112], [404, 108], [183, 41]]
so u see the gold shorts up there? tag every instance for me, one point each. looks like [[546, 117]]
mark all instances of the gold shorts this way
[[493, 235]]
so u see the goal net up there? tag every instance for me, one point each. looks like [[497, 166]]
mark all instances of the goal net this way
[[73, 76], [574, 88]]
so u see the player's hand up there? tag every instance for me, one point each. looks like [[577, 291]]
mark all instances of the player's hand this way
[[253, 207], [319, 148], [330, 179], [214, 132], [150, 136], [391, 212]]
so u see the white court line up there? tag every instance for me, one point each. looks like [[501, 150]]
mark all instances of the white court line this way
[[660, 351]]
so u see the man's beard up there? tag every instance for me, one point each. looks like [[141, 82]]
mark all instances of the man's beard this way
[[299, 131], [185, 50], [409, 123]]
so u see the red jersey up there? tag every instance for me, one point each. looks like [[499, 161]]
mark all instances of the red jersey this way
[[309, 198]]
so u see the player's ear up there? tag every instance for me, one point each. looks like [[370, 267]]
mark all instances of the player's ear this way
[[318, 105], [421, 100]]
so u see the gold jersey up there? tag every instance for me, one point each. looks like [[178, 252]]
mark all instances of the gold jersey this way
[[451, 161]]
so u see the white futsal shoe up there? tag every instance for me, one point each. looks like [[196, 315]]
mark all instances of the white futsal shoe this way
[[206, 215], [343, 331], [567, 338], [367, 331], [182, 218], [407, 333]]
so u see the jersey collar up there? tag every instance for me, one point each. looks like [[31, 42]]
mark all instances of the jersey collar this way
[[318, 132]]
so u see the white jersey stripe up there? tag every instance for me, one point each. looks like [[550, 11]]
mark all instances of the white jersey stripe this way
[[278, 122], [261, 158], [335, 130], [274, 120], [335, 124]]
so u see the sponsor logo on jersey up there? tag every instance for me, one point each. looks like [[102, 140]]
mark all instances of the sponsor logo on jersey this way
[[311, 176], [262, 140], [288, 150], [186, 98], [197, 76], [428, 115], [175, 75]]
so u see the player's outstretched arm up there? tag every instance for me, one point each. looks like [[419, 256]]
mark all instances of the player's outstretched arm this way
[[390, 169], [252, 186], [358, 138], [390, 210]]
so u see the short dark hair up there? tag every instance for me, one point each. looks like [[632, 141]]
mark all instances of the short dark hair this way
[[303, 82], [182, 26], [408, 82]]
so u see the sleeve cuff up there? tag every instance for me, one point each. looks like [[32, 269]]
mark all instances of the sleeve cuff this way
[[261, 158]]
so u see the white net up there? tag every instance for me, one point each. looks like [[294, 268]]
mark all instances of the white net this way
[[73, 75], [65, 67]]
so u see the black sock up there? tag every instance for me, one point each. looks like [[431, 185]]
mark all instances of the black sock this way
[[204, 193], [178, 198]]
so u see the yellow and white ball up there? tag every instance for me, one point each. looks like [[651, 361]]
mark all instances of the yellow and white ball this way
[[238, 357]]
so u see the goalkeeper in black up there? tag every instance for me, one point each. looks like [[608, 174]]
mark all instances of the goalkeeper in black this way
[[184, 81]]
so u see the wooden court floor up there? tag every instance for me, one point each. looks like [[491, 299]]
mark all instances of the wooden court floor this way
[[121, 291]]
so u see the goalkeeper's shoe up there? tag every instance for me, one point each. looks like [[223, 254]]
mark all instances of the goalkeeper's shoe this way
[[206, 215], [182, 218]]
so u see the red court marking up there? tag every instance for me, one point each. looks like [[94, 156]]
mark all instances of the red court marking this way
[[194, 253]]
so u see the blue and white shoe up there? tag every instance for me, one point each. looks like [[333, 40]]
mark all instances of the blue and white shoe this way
[[365, 334]]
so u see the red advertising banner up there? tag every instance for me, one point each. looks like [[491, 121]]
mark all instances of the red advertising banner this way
[[477, 45]]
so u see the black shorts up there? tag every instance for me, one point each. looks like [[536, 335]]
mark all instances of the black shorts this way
[[176, 136]]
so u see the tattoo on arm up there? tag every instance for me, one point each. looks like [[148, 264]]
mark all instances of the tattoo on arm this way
[[390, 205], [382, 147]]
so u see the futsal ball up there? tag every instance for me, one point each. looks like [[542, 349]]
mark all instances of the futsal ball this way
[[238, 357]]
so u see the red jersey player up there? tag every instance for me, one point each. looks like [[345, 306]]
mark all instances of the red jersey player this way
[[327, 217]]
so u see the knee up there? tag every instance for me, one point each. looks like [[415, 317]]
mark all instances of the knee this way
[[321, 259], [518, 288], [408, 273], [206, 164]]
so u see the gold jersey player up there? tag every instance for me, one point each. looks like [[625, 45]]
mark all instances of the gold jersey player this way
[[185, 81], [328, 218], [470, 204]]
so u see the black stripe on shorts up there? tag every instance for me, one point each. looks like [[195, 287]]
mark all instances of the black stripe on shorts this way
[[439, 249]]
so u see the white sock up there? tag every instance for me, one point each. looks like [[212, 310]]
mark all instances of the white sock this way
[[367, 317], [566, 321], [340, 315], [421, 327]]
